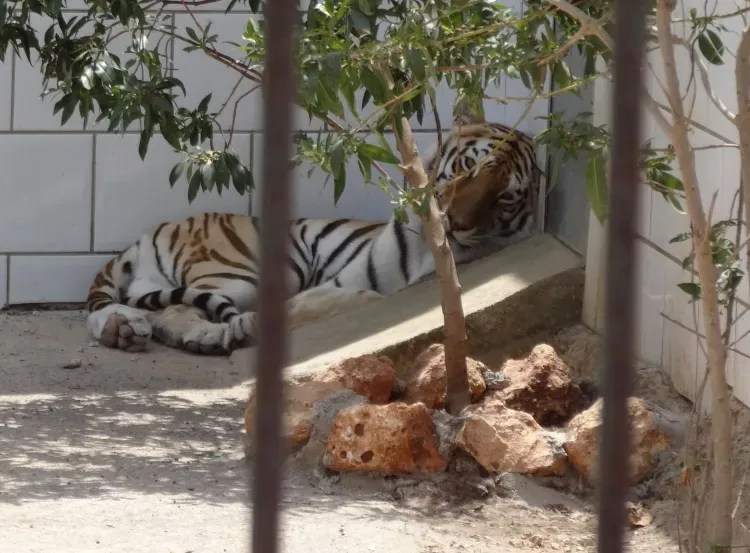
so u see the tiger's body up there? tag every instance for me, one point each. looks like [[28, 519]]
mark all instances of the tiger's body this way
[[192, 284]]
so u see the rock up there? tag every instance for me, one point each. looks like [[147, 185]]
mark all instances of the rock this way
[[368, 376], [506, 440], [323, 414], [299, 398], [73, 364], [582, 445], [495, 381], [393, 439], [541, 386], [428, 381], [580, 349]]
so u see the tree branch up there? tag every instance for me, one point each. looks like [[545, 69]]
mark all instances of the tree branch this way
[[722, 421]]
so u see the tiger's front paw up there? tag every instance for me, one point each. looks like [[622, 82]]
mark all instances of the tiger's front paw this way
[[126, 333]]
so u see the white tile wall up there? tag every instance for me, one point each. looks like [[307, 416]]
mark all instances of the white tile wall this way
[[46, 191], [718, 172], [123, 180], [52, 278], [6, 92]]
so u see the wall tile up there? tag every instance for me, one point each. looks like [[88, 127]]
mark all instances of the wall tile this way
[[742, 380], [3, 281], [46, 192], [651, 300], [203, 75], [6, 87], [133, 196], [34, 113], [31, 112], [680, 358], [313, 196], [52, 278]]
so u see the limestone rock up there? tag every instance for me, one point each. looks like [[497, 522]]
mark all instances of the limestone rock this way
[[580, 349], [368, 376], [391, 439], [541, 386], [323, 414], [506, 440], [428, 382], [299, 398], [582, 441]]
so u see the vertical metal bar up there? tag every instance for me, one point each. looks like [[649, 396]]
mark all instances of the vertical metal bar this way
[[619, 341], [278, 88]]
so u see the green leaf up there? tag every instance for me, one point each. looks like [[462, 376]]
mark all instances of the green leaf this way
[[365, 166], [339, 183], [241, 177], [222, 172], [176, 172], [87, 78], [143, 142], [332, 66], [207, 175], [680, 238], [337, 158], [596, 187], [377, 153], [194, 186], [692, 289], [68, 108], [671, 182], [415, 62], [192, 34], [203, 106], [711, 47]]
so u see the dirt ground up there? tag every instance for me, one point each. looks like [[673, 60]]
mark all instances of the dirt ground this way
[[111, 452]]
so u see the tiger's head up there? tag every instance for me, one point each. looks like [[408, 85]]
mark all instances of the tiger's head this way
[[487, 180]]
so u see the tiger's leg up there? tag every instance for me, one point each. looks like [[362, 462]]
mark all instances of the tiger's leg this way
[[325, 301], [187, 327]]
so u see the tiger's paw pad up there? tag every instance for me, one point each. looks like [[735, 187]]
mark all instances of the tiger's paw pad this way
[[125, 333]]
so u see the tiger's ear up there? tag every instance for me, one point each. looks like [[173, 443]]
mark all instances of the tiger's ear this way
[[465, 114]]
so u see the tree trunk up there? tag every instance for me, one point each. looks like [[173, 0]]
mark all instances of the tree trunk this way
[[721, 524], [456, 347]]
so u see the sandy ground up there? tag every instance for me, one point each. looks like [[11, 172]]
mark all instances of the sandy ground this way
[[111, 452]]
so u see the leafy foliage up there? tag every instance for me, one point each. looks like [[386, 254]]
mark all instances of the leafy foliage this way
[[370, 61]]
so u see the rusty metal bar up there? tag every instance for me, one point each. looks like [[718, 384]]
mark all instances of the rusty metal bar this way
[[281, 16], [619, 339]]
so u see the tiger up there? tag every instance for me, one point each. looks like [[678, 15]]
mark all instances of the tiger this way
[[192, 284]]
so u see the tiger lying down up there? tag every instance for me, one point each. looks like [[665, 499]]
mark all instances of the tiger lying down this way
[[192, 284]]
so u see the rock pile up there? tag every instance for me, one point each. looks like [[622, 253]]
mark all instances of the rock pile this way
[[527, 417]]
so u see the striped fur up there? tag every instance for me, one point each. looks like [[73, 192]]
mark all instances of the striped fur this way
[[486, 177]]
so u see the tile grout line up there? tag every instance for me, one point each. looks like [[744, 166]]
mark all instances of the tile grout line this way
[[93, 193], [12, 91], [7, 280], [172, 46]]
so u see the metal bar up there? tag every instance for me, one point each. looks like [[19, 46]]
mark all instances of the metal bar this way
[[619, 339], [273, 289]]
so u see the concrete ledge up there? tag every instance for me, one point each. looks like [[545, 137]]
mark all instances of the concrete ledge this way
[[532, 286]]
